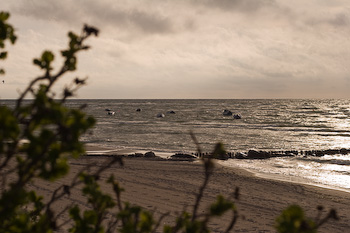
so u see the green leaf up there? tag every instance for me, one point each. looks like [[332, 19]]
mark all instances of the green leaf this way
[[90, 216], [293, 220], [221, 206], [45, 61], [4, 16], [146, 222], [13, 38], [219, 150], [47, 56], [3, 55]]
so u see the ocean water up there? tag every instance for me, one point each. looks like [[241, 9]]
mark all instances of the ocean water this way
[[301, 125]]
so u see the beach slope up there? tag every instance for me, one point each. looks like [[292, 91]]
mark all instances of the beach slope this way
[[164, 186]]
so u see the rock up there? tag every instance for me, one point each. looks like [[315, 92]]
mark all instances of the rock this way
[[139, 155], [219, 156], [332, 152], [237, 116], [240, 155], [150, 154], [160, 115], [227, 113], [319, 153], [344, 151], [254, 154], [138, 110], [222, 156], [183, 156], [171, 112], [287, 155]]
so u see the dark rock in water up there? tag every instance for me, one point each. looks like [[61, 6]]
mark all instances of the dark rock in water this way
[[150, 154], [254, 154], [319, 153], [237, 116], [227, 113], [183, 156], [136, 155], [287, 155], [332, 152], [222, 157], [219, 156], [344, 151], [230, 155], [138, 110], [108, 110], [160, 115], [139, 155], [293, 152], [240, 155], [171, 112]]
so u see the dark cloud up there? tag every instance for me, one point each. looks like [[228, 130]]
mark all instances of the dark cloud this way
[[78, 12], [337, 20], [48, 10], [151, 23], [340, 20]]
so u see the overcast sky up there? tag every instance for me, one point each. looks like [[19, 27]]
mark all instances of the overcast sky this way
[[189, 48]]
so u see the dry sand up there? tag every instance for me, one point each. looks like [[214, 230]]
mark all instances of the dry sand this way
[[165, 186]]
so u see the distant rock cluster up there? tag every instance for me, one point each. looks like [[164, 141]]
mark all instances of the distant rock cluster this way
[[229, 113], [162, 115]]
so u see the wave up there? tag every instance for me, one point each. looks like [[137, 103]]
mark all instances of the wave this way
[[336, 161]]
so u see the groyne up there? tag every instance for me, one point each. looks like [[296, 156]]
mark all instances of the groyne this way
[[261, 154]]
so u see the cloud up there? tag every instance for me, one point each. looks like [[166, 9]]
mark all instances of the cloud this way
[[333, 19], [339, 20], [103, 12], [194, 48], [237, 5]]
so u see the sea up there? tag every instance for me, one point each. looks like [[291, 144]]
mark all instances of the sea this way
[[265, 124]]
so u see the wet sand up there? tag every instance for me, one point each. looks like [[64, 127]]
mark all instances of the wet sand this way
[[164, 186]]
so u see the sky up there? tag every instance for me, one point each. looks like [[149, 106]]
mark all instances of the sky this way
[[179, 49]]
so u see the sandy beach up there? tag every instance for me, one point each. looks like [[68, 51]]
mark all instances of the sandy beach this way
[[164, 186]]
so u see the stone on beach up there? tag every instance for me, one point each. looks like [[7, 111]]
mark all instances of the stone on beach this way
[[183, 156], [136, 155], [150, 154]]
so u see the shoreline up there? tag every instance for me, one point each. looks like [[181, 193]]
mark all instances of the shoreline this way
[[166, 186], [169, 186], [279, 178], [100, 151]]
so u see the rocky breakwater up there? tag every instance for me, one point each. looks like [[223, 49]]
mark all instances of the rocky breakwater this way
[[260, 154], [255, 154], [251, 154], [183, 157]]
